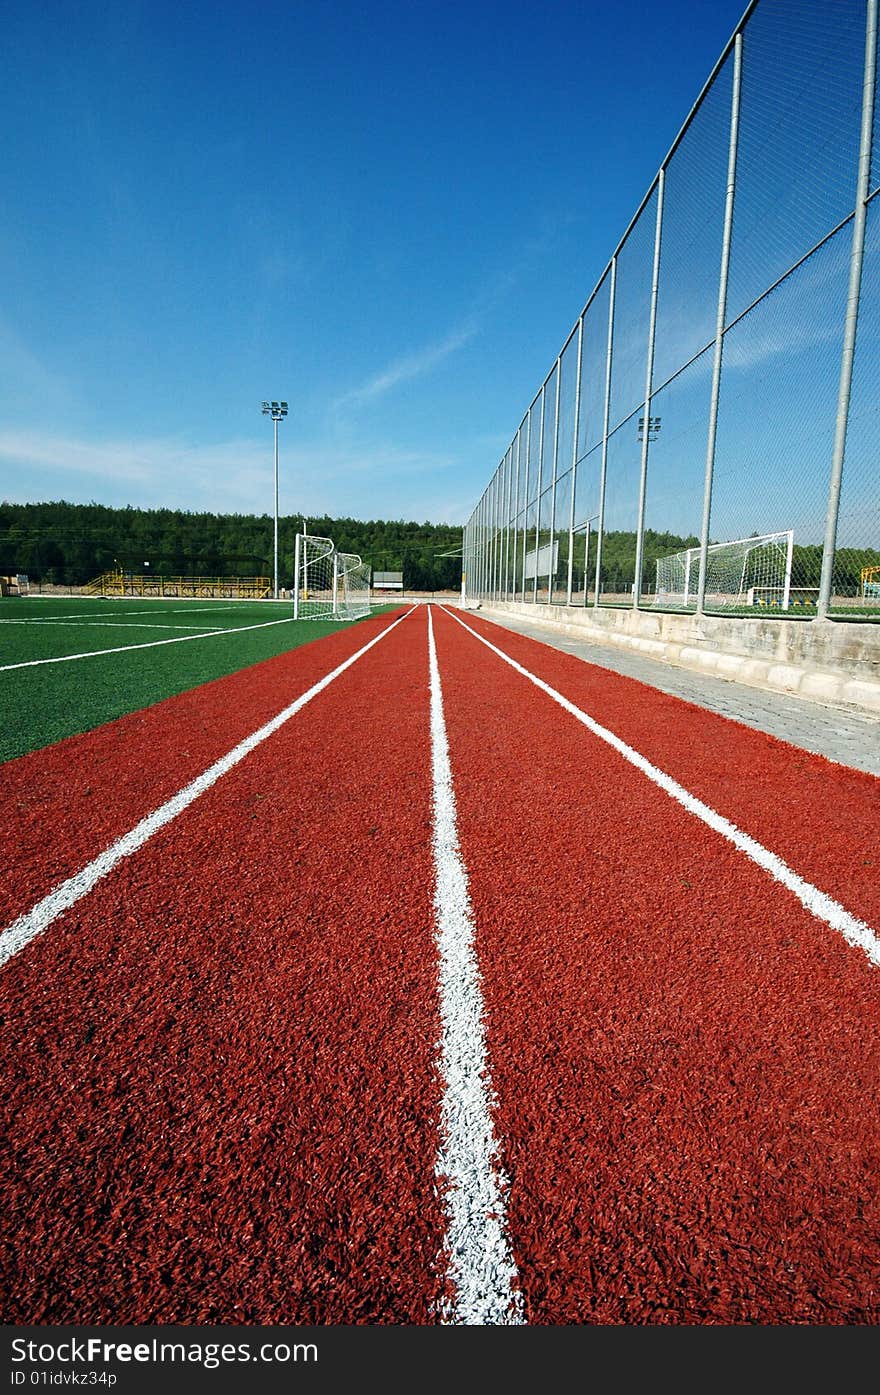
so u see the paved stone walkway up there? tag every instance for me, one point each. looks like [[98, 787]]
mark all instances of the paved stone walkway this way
[[846, 737]]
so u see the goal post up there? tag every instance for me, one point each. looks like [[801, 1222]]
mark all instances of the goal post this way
[[352, 587], [329, 585], [736, 572]]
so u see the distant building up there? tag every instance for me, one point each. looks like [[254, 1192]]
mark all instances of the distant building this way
[[387, 581], [17, 585]]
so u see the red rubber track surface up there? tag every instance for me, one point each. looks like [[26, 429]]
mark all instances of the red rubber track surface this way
[[818, 816], [220, 1084], [686, 1061], [65, 803], [219, 1080]]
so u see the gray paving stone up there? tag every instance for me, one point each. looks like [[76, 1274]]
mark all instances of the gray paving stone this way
[[845, 737]]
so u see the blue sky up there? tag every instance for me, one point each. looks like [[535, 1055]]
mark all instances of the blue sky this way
[[389, 214]]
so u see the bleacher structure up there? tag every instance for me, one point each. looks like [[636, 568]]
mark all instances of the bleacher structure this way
[[870, 582], [122, 583]]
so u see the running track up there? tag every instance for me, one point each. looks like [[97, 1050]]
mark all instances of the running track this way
[[241, 1084]]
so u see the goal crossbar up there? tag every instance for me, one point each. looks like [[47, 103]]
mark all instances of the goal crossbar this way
[[328, 584], [736, 571]]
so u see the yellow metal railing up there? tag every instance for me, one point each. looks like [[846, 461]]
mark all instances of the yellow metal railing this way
[[870, 579], [251, 588]]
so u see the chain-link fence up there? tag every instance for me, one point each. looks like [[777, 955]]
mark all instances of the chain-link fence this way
[[704, 439]]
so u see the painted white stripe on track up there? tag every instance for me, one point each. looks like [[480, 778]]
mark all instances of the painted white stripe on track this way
[[40, 917], [856, 932], [147, 644], [481, 1266]]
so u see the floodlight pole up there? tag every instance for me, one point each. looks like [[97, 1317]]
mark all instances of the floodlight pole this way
[[275, 537], [277, 411]]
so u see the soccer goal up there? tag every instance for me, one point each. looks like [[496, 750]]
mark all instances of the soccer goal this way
[[329, 585], [738, 573]]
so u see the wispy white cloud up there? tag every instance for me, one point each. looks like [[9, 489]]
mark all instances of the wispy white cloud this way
[[146, 473], [376, 480], [410, 366]]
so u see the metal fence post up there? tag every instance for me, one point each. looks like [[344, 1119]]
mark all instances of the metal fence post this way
[[496, 532], [489, 540], [477, 559], [603, 472], [528, 420], [478, 551], [723, 280], [538, 494], [502, 523], [496, 513], [857, 257], [502, 486], [511, 544], [574, 459], [551, 577], [515, 548], [649, 379]]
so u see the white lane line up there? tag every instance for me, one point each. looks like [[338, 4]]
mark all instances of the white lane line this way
[[147, 644], [856, 932], [67, 893], [481, 1265]]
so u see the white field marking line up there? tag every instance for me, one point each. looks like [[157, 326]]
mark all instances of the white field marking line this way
[[147, 644], [87, 620], [118, 624], [856, 932], [147, 609], [67, 893], [481, 1265]]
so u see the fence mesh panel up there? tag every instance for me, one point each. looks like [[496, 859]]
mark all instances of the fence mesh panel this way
[[788, 100], [593, 360], [798, 139], [693, 222], [562, 514], [676, 472], [631, 306], [777, 412]]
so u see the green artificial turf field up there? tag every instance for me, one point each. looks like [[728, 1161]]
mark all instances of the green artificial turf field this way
[[46, 701]]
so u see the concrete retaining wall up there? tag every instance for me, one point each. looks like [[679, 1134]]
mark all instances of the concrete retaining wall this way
[[830, 661]]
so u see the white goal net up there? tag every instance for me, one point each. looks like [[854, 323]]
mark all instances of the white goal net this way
[[738, 573], [329, 585]]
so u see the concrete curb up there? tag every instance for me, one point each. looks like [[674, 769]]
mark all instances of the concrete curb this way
[[851, 686]]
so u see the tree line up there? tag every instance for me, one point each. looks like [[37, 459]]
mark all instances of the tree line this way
[[70, 544]]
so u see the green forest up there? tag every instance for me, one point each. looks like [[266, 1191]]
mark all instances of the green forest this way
[[69, 544]]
